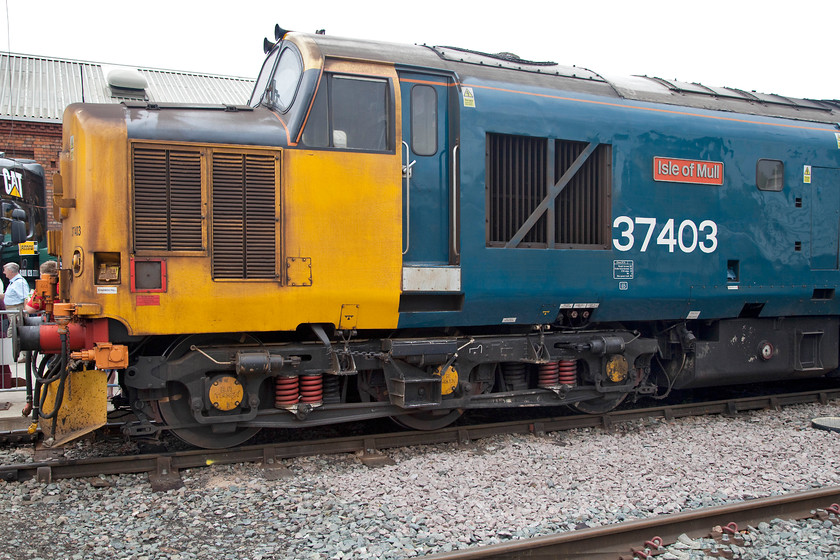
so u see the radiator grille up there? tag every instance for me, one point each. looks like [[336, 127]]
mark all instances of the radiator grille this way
[[516, 183], [583, 207], [244, 216], [167, 200], [519, 178]]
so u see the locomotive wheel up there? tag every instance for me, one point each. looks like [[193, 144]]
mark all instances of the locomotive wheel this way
[[175, 409], [428, 419], [600, 405]]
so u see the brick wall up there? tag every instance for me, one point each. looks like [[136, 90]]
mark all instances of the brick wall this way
[[38, 141]]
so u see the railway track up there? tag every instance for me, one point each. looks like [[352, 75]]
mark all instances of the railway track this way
[[641, 539], [164, 468]]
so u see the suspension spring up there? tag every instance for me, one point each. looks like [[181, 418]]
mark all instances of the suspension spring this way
[[311, 388], [332, 389], [567, 372], [549, 374], [515, 377], [285, 391]]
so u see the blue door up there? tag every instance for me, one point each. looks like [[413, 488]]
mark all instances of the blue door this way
[[825, 218], [429, 207]]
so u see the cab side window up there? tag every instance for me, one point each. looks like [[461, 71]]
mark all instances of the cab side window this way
[[350, 112], [770, 175], [286, 80], [262, 81]]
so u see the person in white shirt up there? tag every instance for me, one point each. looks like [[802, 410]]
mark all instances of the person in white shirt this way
[[16, 293]]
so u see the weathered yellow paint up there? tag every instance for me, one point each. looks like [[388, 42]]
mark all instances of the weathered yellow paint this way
[[226, 393], [449, 379], [83, 407], [617, 368], [341, 211]]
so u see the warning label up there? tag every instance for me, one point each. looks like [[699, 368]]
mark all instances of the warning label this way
[[469, 97]]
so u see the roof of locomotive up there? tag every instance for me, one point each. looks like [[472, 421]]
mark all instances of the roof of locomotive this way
[[510, 69]]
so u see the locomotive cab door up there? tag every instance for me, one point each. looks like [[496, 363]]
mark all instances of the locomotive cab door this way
[[430, 205], [825, 218]]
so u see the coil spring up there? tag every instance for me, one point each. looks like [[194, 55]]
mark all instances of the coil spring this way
[[514, 374], [285, 391], [568, 372], [332, 389], [311, 388], [549, 374]]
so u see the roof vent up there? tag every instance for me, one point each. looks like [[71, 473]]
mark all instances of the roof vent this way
[[126, 84], [127, 78]]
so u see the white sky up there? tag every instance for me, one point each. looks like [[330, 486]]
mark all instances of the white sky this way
[[790, 48]]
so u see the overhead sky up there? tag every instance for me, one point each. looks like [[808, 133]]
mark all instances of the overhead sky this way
[[788, 48]]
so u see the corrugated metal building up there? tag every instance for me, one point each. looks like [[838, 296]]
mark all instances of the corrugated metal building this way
[[34, 90], [37, 89]]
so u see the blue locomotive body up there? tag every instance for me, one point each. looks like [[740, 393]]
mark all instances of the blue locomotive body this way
[[691, 245]]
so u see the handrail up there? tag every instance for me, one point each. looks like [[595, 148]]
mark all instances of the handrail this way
[[455, 250], [407, 174]]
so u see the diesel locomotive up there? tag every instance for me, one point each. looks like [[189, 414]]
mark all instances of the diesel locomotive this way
[[414, 231]]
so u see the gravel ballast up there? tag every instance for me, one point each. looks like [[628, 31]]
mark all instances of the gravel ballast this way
[[434, 498]]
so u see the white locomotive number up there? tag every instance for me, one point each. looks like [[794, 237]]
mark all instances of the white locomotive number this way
[[688, 236]]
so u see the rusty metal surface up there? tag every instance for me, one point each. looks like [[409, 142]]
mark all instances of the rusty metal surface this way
[[83, 408], [618, 541]]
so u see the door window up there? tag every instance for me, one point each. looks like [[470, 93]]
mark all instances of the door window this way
[[423, 120]]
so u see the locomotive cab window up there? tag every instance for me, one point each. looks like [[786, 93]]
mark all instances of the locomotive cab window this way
[[287, 76], [770, 175], [351, 112], [262, 80]]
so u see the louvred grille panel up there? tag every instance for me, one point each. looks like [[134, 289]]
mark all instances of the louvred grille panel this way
[[583, 206], [516, 183], [167, 200], [522, 172], [244, 216]]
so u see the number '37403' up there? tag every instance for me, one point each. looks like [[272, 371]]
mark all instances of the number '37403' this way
[[688, 236]]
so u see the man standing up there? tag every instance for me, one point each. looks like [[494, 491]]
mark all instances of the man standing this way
[[16, 292]]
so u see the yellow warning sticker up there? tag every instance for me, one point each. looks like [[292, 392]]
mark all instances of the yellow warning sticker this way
[[806, 175], [469, 97], [26, 248]]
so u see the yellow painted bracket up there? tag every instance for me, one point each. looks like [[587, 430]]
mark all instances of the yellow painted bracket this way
[[349, 316], [84, 407]]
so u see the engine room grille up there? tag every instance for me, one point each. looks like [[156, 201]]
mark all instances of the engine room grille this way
[[533, 203], [167, 200], [244, 216], [516, 183], [583, 208]]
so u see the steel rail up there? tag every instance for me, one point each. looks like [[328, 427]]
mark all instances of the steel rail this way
[[165, 466], [621, 540]]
